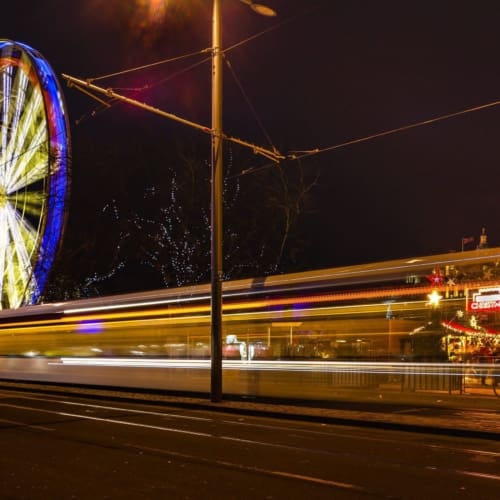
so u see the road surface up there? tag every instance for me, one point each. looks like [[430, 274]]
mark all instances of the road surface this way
[[66, 446]]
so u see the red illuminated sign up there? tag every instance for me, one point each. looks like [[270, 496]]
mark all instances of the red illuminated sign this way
[[486, 299]]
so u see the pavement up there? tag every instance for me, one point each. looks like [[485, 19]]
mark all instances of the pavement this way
[[473, 413]]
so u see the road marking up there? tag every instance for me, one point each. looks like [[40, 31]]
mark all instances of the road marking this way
[[271, 445], [465, 450], [108, 420], [22, 424], [318, 480], [134, 424], [128, 410], [478, 474], [248, 468]]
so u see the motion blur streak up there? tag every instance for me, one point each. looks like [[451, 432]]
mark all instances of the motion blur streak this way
[[303, 335]]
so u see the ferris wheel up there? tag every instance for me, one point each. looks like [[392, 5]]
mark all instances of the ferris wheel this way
[[34, 172]]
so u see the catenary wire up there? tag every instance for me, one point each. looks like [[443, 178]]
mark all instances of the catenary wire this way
[[249, 104], [297, 155], [146, 66]]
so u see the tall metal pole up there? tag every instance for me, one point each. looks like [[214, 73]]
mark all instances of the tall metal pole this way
[[217, 195], [216, 177], [216, 207]]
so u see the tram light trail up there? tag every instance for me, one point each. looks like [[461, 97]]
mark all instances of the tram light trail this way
[[303, 324]]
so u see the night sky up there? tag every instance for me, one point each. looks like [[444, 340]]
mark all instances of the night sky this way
[[325, 73]]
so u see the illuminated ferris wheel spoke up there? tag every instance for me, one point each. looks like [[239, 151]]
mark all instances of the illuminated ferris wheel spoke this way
[[34, 172], [21, 144], [10, 280], [24, 165], [19, 123], [6, 92], [32, 203], [29, 169], [5, 104], [23, 238], [3, 246], [19, 91], [13, 284], [26, 122], [25, 170], [19, 249]]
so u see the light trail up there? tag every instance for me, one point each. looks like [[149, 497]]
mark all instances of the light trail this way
[[345, 367]]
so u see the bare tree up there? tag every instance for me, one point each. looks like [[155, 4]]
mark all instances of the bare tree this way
[[152, 228]]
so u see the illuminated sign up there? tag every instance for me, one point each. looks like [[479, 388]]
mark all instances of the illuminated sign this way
[[485, 299]]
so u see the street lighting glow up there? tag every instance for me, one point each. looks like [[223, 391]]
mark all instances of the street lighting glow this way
[[434, 298]]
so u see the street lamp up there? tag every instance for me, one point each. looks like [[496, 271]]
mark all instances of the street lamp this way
[[217, 138], [263, 10], [217, 195]]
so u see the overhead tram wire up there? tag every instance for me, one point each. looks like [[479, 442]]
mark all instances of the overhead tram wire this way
[[293, 155], [240, 86], [259, 34], [167, 78], [85, 86], [104, 105], [207, 50], [133, 91], [90, 88], [150, 65], [299, 155], [296, 17], [250, 105], [107, 104], [136, 90]]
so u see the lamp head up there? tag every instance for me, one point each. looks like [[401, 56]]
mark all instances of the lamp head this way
[[263, 10]]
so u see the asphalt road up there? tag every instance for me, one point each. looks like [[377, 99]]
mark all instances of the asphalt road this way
[[64, 446]]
